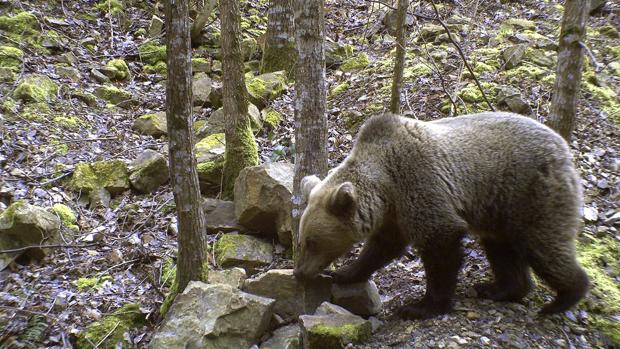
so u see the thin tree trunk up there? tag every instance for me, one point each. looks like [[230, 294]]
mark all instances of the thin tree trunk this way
[[192, 260], [241, 150], [570, 62], [310, 118], [399, 66], [279, 52], [201, 20]]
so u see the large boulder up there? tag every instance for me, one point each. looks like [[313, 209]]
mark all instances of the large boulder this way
[[111, 175], [287, 337], [263, 199], [22, 224], [213, 316], [293, 298], [149, 171], [360, 298], [248, 252], [333, 331], [220, 216], [234, 277], [36, 88], [266, 87]]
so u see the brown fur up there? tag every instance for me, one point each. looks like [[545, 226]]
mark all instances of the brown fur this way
[[505, 178]]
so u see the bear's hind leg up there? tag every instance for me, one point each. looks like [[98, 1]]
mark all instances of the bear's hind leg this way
[[512, 280], [558, 267], [442, 261]]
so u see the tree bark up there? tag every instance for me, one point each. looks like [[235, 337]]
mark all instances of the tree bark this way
[[192, 260], [241, 150], [570, 62], [201, 20], [399, 65], [310, 118], [279, 52]]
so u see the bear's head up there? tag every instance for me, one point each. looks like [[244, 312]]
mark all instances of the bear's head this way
[[327, 229]]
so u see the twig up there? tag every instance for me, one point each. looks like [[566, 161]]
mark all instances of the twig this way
[[593, 60], [22, 249], [56, 179], [107, 335], [89, 139], [460, 51]]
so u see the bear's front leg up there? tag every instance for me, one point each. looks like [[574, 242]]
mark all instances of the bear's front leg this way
[[378, 251], [442, 262]]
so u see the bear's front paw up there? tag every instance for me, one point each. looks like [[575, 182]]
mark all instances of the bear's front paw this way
[[345, 276], [423, 309], [492, 291]]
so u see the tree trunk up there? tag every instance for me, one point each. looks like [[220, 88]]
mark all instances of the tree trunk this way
[[241, 150], [201, 20], [570, 62], [310, 118], [192, 260], [399, 66], [279, 52]]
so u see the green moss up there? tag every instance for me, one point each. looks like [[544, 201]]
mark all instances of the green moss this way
[[160, 68], [519, 23], [109, 332], [110, 6], [241, 153], [36, 88], [66, 215], [120, 69], [209, 142], [68, 122], [60, 148], [615, 51], [111, 174], [607, 97], [11, 57], [86, 97], [272, 118], [340, 88], [226, 243], [112, 94], [200, 64], [36, 111], [358, 62], [526, 72], [7, 216], [151, 52], [9, 106], [256, 87], [165, 305], [609, 31], [94, 282], [416, 71], [472, 94], [279, 58], [169, 272], [322, 336], [23, 23]]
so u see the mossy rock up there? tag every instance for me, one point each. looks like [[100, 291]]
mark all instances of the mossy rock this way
[[519, 24], [271, 118], [69, 122], [113, 94], [151, 52], [210, 157], [119, 68], [149, 171], [339, 89], [245, 251], [154, 124], [36, 88], [334, 331], [91, 283], [266, 87], [88, 98], [249, 47], [113, 7], [111, 175], [66, 215], [160, 68], [11, 58], [23, 23], [358, 62], [605, 95], [109, 332], [201, 65], [416, 71]]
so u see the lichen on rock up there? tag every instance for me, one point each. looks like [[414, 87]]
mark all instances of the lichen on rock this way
[[66, 215], [109, 332], [358, 62], [113, 94], [11, 58], [36, 88], [111, 175], [119, 67], [152, 53]]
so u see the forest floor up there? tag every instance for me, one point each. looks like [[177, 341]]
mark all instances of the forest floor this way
[[41, 303]]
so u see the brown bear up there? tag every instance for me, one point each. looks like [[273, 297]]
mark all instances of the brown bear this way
[[507, 179]]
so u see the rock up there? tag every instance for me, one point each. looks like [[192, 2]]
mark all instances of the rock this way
[[88, 98], [7, 75], [66, 216], [429, 32], [214, 316], [510, 98], [149, 171], [155, 27], [99, 76], [358, 62], [152, 53], [117, 69], [111, 175], [215, 97], [287, 337], [114, 95], [540, 58], [513, 55], [590, 214], [360, 298], [99, 197], [613, 218], [154, 124], [220, 216], [217, 121], [234, 277], [334, 331], [201, 89], [249, 47], [210, 157], [596, 5], [327, 308], [109, 332], [263, 199], [271, 118], [68, 58], [391, 22], [266, 87], [51, 40], [22, 224], [36, 88], [11, 58], [69, 73], [293, 298], [201, 65], [519, 24], [248, 252], [335, 53]]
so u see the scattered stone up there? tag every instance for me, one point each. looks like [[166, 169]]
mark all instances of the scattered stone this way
[[513, 55], [327, 308], [210, 157], [201, 89], [99, 76], [109, 332], [336, 54], [22, 224], [36, 88], [234, 277], [360, 298], [590, 214], [154, 124], [117, 69], [293, 298], [149, 171], [540, 58], [213, 316], [287, 337], [510, 98], [217, 121], [50, 39], [248, 252], [201, 65], [152, 53], [68, 58], [358, 62], [99, 197], [519, 23], [429, 32], [155, 27], [266, 87], [109, 174], [613, 219], [220, 216], [69, 73], [263, 199], [113, 95], [334, 331], [390, 21]]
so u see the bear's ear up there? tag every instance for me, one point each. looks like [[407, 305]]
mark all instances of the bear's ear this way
[[343, 199], [307, 183]]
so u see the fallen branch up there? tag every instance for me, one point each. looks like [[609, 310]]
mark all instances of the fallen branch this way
[[22, 249]]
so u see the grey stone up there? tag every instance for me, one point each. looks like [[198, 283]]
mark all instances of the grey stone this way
[[249, 47], [213, 316], [99, 76], [391, 21], [513, 55], [238, 250], [149, 171], [220, 216], [360, 298], [327, 308], [510, 98], [266, 87], [217, 121], [155, 27], [429, 32], [234, 277], [293, 298], [287, 337], [201, 89], [99, 197], [333, 331], [263, 199], [154, 124], [335, 53], [68, 73]]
